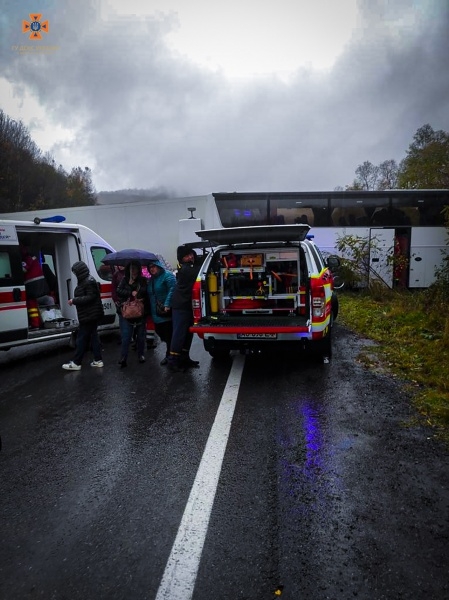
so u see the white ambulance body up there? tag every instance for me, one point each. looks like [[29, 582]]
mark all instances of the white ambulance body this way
[[58, 245]]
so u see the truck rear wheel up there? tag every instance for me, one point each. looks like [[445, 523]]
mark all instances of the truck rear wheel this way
[[322, 348], [219, 355], [325, 345]]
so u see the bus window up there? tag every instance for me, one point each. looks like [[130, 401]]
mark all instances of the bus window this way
[[289, 210], [431, 215], [419, 208], [354, 211], [288, 216], [240, 213], [352, 216]]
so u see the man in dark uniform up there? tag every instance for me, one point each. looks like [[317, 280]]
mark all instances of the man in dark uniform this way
[[182, 312]]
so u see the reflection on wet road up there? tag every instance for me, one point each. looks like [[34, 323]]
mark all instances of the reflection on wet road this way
[[325, 487]]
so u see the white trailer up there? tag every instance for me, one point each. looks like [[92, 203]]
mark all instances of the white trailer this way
[[159, 226]]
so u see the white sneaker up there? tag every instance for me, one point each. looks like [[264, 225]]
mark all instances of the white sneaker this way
[[71, 366], [97, 363]]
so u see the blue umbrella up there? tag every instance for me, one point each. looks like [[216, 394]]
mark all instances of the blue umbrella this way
[[124, 257]]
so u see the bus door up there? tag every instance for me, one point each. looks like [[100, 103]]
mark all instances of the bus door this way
[[426, 252], [13, 308], [383, 241], [402, 256]]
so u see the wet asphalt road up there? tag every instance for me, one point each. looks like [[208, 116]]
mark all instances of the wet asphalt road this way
[[329, 488]]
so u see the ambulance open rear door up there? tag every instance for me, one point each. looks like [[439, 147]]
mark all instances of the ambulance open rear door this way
[[13, 309]]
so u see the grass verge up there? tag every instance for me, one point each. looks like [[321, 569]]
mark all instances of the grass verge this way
[[412, 343]]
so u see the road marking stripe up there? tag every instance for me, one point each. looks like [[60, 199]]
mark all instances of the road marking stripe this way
[[182, 566]]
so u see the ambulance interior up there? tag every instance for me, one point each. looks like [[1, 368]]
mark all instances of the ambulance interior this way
[[56, 253]]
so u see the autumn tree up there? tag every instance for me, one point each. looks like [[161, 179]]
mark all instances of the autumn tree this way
[[426, 165], [80, 191], [367, 175], [51, 184], [18, 153], [388, 175], [376, 177], [30, 181]]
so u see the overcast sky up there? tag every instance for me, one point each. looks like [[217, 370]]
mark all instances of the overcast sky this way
[[201, 96]]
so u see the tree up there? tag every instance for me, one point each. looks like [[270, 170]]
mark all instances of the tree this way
[[426, 165], [355, 186], [388, 175], [80, 191], [30, 181], [372, 177], [367, 175], [18, 154]]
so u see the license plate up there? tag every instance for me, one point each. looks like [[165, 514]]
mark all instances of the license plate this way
[[257, 336]]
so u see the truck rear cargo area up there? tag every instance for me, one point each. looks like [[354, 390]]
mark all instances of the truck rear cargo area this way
[[245, 289]]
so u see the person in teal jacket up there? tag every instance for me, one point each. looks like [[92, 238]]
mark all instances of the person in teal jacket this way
[[160, 289]]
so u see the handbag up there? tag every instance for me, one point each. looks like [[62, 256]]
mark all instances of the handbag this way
[[160, 310], [133, 309], [160, 307]]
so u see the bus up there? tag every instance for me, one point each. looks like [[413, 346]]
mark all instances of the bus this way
[[409, 221], [405, 222]]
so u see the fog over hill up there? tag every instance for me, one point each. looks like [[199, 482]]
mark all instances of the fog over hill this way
[[134, 195]]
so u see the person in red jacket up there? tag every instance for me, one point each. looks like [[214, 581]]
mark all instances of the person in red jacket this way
[[36, 287]]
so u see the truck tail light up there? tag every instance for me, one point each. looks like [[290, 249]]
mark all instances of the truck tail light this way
[[196, 301], [318, 302]]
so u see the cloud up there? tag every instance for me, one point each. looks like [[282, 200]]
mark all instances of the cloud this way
[[142, 115]]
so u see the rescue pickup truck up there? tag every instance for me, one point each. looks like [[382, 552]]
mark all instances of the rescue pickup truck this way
[[263, 288]]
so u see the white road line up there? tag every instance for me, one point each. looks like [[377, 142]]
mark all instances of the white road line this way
[[181, 570]]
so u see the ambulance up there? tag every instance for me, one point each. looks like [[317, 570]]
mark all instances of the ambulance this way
[[57, 245]]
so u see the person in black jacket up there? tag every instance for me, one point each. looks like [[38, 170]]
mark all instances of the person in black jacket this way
[[87, 299], [133, 285], [182, 312], [117, 276]]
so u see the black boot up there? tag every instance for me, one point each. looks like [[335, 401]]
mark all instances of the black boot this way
[[187, 362], [174, 364]]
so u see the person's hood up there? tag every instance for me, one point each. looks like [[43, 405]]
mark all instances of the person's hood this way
[[184, 250], [81, 270], [158, 264]]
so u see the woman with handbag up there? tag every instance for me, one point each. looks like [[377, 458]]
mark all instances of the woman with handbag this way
[[133, 297], [160, 289]]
